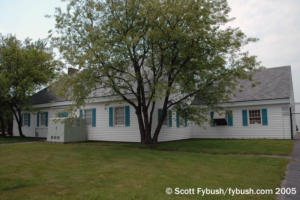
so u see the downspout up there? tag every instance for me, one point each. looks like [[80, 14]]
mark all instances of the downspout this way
[[291, 119]]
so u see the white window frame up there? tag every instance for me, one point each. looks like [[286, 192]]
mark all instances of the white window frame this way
[[25, 116], [84, 116], [260, 112], [115, 115], [41, 114]]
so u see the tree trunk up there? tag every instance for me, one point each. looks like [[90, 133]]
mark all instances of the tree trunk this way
[[18, 119], [9, 117], [162, 118], [10, 128], [148, 139], [158, 128], [145, 129], [147, 126], [2, 124], [141, 126]]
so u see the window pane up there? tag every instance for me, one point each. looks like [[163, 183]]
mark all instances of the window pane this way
[[88, 116], [120, 116], [25, 121], [43, 118], [254, 117]]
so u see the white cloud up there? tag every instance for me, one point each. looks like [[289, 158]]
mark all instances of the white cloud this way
[[3, 31]]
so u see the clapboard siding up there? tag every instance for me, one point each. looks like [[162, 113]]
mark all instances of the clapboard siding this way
[[278, 125], [30, 131], [170, 133], [103, 132]]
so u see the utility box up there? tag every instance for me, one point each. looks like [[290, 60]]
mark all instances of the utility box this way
[[67, 130]]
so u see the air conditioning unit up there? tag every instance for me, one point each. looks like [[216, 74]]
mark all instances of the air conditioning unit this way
[[220, 118], [67, 130]]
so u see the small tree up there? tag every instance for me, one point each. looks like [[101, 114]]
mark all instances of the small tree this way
[[24, 68], [170, 50]]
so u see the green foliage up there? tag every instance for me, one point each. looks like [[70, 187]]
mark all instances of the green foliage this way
[[175, 51], [24, 69]]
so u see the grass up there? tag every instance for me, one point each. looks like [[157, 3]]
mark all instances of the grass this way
[[54, 171], [15, 139], [252, 146]]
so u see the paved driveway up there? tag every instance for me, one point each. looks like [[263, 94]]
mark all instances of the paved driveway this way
[[292, 177]]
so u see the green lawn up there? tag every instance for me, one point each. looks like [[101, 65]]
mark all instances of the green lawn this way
[[55, 171], [15, 139], [252, 146]]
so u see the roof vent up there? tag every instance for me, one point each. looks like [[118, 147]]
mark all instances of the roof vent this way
[[220, 118]]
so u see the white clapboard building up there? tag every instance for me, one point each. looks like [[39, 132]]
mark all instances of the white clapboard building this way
[[257, 112]]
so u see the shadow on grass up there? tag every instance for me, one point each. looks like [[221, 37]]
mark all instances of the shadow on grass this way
[[250, 146]]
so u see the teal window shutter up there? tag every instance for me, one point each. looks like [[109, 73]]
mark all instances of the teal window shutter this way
[[94, 117], [38, 120], [212, 117], [230, 120], [185, 121], [159, 114], [111, 116], [170, 118], [245, 118], [21, 119], [46, 116], [28, 119], [264, 117], [177, 119], [127, 116], [80, 113]]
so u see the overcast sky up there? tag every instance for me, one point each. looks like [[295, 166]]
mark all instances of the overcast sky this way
[[274, 22]]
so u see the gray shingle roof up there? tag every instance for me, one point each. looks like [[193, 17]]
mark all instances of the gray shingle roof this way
[[276, 83], [44, 96]]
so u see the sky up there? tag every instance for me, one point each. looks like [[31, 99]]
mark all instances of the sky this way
[[275, 22]]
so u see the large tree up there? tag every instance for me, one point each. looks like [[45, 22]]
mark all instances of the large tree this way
[[169, 50], [25, 67]]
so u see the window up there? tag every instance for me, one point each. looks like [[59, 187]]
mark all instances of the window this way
[[25, 119], [88, 115], [63, 115], [120, 116], [181, 122], [254, 117], [43, 119]]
